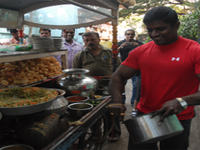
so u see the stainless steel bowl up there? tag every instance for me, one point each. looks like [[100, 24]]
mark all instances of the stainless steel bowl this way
[[79, 109], [17, 147], [144, 129]]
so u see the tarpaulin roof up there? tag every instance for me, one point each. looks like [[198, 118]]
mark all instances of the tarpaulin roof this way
[[12, 12]]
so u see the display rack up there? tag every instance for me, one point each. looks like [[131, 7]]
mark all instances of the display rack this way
[[17, 56]]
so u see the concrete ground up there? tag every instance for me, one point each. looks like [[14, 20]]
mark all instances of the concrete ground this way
[[122, 144]]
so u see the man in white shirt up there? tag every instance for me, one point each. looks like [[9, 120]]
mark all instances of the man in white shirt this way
[[72, 46]]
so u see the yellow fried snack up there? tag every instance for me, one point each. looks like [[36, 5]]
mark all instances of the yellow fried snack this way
[[29, 71]]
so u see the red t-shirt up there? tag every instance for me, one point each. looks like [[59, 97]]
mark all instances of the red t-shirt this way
[[168, 71]]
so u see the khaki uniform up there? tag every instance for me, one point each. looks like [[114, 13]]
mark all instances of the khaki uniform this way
[[100, 65]]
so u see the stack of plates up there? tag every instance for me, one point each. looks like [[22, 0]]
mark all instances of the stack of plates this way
[[58, 42], [42, 43], [28, 41]]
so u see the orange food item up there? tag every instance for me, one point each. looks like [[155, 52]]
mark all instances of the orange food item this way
[[15, 97], [76, 98], [76, 92]]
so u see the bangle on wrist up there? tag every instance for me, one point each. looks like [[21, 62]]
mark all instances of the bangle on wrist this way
[[114, 104]]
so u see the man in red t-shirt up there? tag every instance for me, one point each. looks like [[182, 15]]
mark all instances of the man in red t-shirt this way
[[170, 68]]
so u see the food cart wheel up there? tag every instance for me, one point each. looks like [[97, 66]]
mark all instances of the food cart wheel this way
[[96, 136]]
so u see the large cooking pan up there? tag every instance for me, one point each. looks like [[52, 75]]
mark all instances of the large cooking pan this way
[[26, 110], [58, 107]]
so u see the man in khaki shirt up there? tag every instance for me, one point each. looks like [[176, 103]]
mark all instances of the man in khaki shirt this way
[[94, 57], [98, 60]]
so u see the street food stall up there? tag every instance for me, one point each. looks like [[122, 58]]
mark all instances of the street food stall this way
[[53, 131]]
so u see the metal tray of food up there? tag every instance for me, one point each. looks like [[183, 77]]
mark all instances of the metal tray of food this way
[[30, 109]]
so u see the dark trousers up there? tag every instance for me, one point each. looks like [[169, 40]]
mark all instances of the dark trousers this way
[[116, 127], [134, 90], [178, 142]]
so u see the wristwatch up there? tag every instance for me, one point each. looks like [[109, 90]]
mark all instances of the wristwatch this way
[[182, 103]]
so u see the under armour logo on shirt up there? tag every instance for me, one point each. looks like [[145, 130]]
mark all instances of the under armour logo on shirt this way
[[175, 58]]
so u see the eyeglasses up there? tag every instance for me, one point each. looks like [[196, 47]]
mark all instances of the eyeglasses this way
[[130, 34], [69, 32]]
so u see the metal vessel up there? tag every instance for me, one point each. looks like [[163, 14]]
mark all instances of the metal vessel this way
[[58, 107], [75, 82], [78, 110], [144, 129]]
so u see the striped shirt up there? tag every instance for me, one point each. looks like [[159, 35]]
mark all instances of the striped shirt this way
[[71, 51]]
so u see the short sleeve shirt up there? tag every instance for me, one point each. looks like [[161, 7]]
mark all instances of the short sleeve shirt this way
[[100, 65], [168, 71]]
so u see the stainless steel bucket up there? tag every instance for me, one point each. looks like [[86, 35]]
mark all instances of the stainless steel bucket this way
[[144, 129]]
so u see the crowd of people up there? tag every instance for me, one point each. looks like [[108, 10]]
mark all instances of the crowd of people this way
[[165, 72]]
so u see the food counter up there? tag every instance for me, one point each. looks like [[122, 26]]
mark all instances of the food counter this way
[[47, 130], [83, 132], [95, 12]]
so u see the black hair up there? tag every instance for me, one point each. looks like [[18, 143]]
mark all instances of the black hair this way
[[129, 30], [45, 30], [91, 33], [166, 14], [13, 31]]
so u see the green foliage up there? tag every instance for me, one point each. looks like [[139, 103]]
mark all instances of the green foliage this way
[[131, 15], [147, 40], [131, 21], [189, 27], [142, 6], [190, 23]]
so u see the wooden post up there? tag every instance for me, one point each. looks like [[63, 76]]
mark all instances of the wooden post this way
[[114, 48], [114, 41], [64, 61]]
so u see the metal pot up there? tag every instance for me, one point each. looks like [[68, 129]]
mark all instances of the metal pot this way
[[17, 147], [144, 129], [75, 82], [79, 109]]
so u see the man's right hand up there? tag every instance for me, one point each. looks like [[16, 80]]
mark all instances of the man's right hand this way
[[117, 110]]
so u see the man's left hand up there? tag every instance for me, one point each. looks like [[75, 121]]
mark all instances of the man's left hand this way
[[168, 108], [117, 110]]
